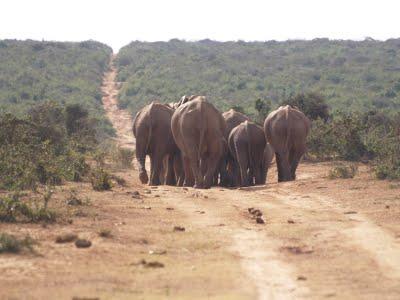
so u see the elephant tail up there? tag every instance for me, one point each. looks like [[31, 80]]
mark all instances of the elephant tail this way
[[202, 134], [288, 128], [150, 126], [249, 154]]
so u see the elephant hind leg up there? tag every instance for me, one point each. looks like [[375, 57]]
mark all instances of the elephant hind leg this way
[[243, 162], [178, 170], [192, 156], [170, 175], [156, 167], [211, 162], [284, 169], [189, 178], [294, 162]]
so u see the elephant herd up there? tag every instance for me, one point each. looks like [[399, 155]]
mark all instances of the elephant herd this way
[[190, 143]]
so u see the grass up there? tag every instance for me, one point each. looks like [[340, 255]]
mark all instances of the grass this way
[[11, 244]]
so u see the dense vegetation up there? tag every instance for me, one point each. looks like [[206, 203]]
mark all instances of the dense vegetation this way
[[47, 146], [351, 75], [33, 72], [367, 136]]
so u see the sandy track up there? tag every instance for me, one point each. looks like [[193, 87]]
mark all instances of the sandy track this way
[[359, 258], [270, 276], [121, 119], [322, 239]]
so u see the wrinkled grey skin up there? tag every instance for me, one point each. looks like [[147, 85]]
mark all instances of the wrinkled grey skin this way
[[232, 119], [286, 129], [198, 129], [252, 155], [152, 130]]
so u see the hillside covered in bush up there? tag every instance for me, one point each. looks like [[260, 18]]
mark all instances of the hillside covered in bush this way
[[355, 75], [33, 72]]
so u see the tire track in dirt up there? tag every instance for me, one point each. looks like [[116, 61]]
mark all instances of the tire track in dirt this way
[[362, 232], [270, 277]]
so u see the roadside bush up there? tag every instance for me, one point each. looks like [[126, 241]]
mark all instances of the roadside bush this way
[[321, 142], [347, 130], [41, 148], [343, 171], [387, 160], [372, 136], [339, 138], [13, 209], [101, 180], [11, 244], [312, 104]]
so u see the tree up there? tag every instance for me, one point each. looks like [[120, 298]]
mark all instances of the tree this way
[[312, 104], [263, 107]]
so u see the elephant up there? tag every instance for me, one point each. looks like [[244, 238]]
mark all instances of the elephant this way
[[183, 100], [286, 129], [252, 155], [152, 130], [198, 129], [232, 119]]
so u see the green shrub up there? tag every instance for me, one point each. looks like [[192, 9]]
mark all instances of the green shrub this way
[[340, 138], [343, 171], [13, 209], [101, 180], [41, 148], [11, 244], [321, 142], [387, 160], [312, 104]]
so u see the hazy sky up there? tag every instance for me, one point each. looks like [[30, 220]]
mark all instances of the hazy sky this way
[[117, 22]]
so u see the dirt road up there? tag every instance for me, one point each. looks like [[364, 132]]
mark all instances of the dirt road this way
[[321, 239]]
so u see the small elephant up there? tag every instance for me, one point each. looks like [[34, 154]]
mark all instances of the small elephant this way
[[252, 155], [232, 118], [286, 129], [198, 129], [152, 130]]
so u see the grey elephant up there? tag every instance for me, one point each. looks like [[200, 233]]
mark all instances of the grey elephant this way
[[232, 119], [198, 129], [152, 130], [252, 155], [286, 129]]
